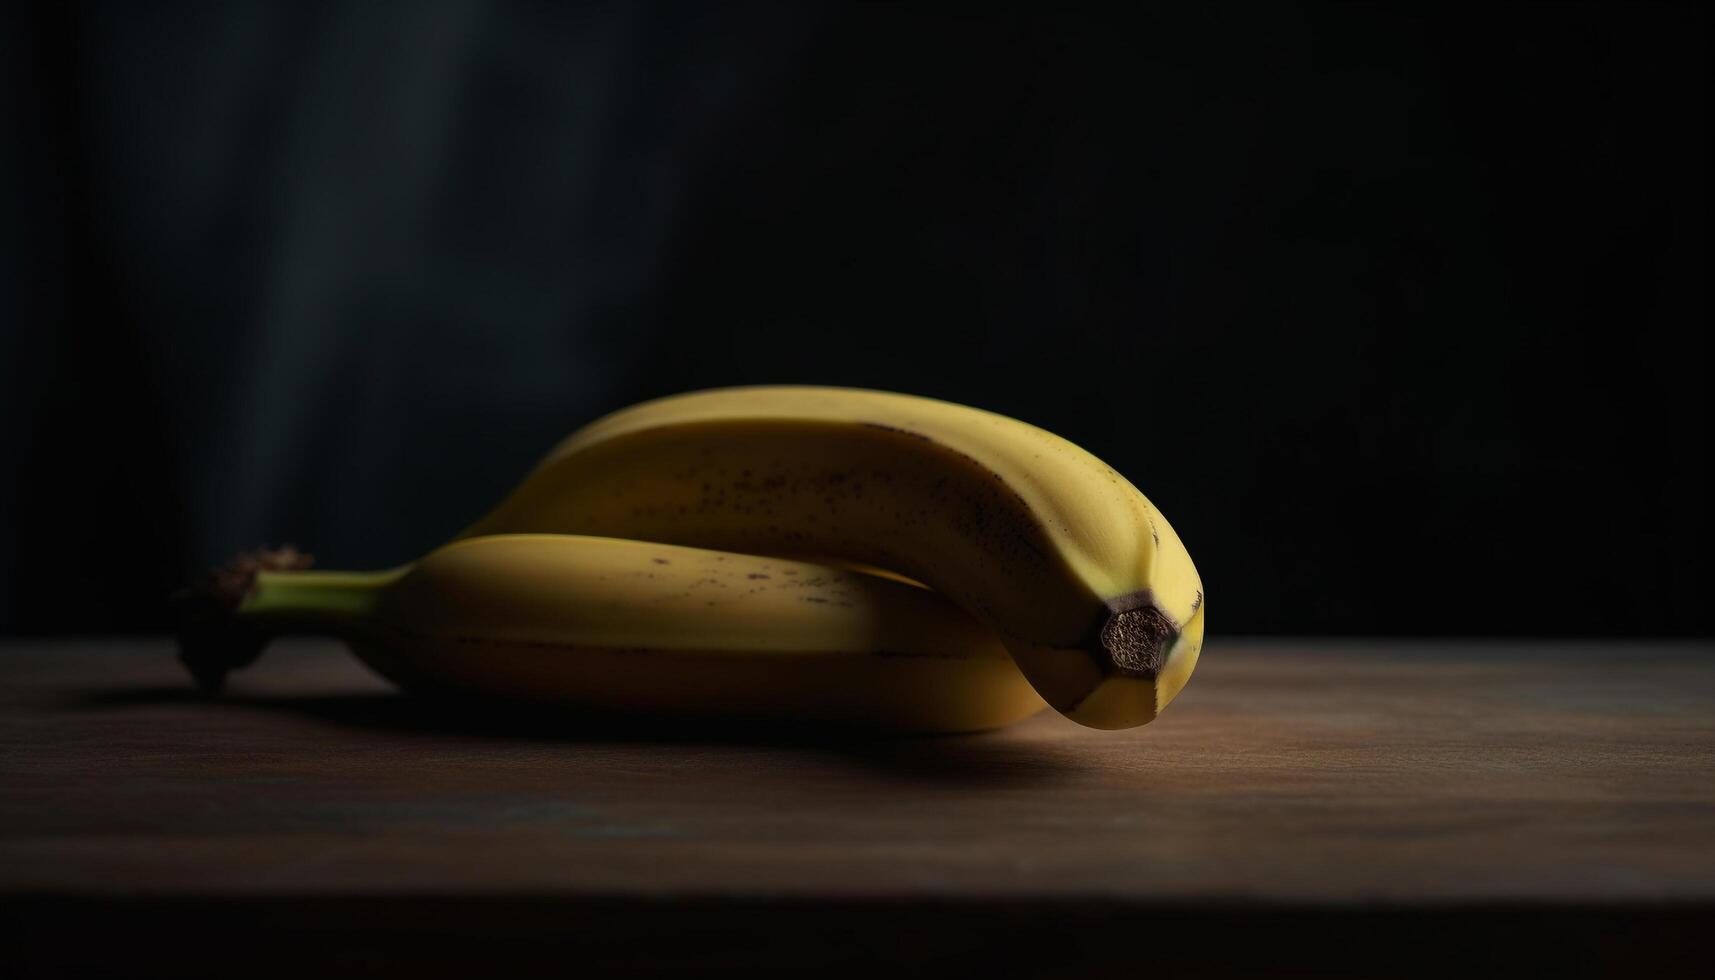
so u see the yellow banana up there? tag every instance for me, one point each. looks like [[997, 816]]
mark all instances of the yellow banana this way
[[1080, 576], [610, 624]]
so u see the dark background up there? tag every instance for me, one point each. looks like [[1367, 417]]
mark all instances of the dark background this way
[[1399, 314]]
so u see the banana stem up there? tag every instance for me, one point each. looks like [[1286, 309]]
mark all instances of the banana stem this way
[[230, 615], [313, 602]]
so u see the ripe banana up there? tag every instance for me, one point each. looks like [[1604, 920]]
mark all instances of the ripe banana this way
[[611, 624], [1081, 577]]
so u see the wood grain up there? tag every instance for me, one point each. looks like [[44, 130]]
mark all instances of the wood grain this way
[[1383, 787]]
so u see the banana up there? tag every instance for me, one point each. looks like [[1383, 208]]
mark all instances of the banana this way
[[620, 625], [1083, 580]]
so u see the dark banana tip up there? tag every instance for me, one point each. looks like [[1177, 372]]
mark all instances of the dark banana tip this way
[[212, 642], [1136, 636]]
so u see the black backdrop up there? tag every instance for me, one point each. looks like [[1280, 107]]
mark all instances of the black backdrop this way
[[1397, 313]]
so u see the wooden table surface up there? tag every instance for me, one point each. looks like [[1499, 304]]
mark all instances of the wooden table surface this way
[[1323, 808]]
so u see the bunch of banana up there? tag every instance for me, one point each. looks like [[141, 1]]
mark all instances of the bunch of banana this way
[[1030, 545]]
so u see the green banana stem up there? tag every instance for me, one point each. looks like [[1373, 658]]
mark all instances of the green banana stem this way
[[313, 602], [227, 618]]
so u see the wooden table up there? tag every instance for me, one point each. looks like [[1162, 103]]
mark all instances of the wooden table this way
[[1306, 807]]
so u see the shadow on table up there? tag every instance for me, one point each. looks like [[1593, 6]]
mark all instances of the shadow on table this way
[[990, 757]]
